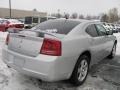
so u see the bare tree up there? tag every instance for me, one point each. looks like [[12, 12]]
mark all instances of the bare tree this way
[[57, 15], [35, 9], [74, 15], [113, 15], [66, 15], [88, 17], [94, 17], [81, 16], [104, 18], [53, 14]]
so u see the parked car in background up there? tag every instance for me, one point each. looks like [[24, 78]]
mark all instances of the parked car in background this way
[[14, 23], [10, 23], [106, 26], [22, 20], [59, 49], [31, 21], [117, 26], [111, 26]]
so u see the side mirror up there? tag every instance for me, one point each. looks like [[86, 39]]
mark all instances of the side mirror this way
[[110, 32]]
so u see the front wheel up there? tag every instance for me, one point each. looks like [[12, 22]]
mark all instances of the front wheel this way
[[113, 52], [80, 71]]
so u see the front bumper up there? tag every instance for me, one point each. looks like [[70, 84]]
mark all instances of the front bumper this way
[[46, 68]]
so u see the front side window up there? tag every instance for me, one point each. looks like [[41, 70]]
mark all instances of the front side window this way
[[91, 30], [101, 30]]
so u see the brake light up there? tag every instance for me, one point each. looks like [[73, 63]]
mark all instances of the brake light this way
[[51, 47], [7, 39]]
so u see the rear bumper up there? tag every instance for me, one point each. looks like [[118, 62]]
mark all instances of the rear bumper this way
[[46, 68]]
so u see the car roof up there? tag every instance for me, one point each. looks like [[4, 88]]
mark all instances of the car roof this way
[[12, 19], [79, 20]]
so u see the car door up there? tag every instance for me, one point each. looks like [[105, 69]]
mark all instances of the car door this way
[[96, 43], [107, 39]]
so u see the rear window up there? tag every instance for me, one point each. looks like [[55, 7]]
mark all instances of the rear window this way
[[57, 26]]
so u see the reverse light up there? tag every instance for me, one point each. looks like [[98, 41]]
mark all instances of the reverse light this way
[[51, 47]]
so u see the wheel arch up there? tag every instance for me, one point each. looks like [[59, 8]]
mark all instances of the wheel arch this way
[[86, 52]]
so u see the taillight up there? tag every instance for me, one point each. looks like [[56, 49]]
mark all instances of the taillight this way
[[7, 39], [51, 47]]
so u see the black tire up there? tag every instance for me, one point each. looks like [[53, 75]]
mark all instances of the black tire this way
[[75, 78], [112, 54]]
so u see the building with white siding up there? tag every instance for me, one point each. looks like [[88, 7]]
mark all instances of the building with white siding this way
[[15, 13]]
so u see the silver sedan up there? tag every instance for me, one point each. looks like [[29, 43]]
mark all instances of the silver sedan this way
[[59, 49]]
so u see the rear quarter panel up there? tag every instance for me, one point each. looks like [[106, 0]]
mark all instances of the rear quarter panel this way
[[111, 40], [72, 48]]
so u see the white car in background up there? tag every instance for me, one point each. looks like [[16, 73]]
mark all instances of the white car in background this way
[[112, 27], [59, 49]]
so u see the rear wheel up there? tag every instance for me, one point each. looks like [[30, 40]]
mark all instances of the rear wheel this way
[[113, 52], [80, 71]]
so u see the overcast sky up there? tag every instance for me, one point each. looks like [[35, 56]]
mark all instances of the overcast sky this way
[[93, 7]]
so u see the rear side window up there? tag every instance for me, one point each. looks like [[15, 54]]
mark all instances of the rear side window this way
[[101, 30], [91, 30], [58, 26]]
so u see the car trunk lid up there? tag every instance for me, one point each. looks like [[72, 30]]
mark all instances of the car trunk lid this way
[[28, 42]]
